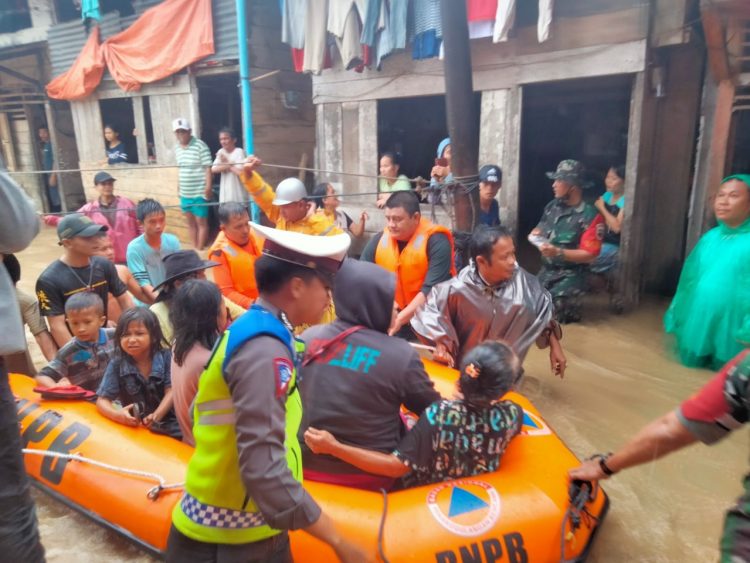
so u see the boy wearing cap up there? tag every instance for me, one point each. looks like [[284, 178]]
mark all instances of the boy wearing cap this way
[[77, 270], [117, 213], [490, 182], [287, 207], [195, 182], [571, 232], [243, 489]]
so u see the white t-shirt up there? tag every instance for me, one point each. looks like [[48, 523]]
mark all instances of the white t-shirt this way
[[231, 189]]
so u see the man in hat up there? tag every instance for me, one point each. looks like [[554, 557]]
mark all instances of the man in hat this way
[[195, 181], [115, 212], [181, 266], [490, 182], [243, 489], [569, 236], [77, 270], [287, 207]]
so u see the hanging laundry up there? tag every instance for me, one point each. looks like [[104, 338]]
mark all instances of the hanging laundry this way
[[545, 19], [298, 59], [293, 17], [505, 17], [393, 34], [428, 29], [344, 24], [481, 10], [373, 21], [90, 9], [316, 39], [481, 17]]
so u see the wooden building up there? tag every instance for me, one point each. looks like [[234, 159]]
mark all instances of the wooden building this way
[[207, 93], [24, 106], [617, 82]]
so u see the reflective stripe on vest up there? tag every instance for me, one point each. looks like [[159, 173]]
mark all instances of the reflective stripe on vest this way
[[216, 507], [410, 264]]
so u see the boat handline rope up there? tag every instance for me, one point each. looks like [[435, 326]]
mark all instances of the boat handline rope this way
[[153, 493]]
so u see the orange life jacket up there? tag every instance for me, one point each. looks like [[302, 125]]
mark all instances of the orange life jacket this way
[[241, 261], [411, 264]]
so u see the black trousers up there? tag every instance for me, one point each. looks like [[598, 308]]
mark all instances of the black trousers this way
[[19, 536], [182, 549]]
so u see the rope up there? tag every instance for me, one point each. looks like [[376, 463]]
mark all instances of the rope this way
[[153, 493], [381, 527], [579, 495]]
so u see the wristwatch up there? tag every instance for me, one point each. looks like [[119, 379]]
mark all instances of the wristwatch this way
[[603, 464]]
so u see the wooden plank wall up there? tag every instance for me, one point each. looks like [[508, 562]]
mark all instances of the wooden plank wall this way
[[284, 132], [674, 146], [133, 181]]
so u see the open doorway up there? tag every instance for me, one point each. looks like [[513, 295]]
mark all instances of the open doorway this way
[[584, 119], [739, 141], [219, 106], [414, 127]]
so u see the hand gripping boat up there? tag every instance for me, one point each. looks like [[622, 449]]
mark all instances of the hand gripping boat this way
[[129, 480]]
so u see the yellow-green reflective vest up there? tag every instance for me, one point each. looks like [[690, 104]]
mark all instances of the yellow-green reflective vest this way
[[216, 507]]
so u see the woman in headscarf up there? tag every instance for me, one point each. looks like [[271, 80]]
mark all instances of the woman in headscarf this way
[[710, 313]]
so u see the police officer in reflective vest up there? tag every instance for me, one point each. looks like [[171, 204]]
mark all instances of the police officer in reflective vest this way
[[243, 490]]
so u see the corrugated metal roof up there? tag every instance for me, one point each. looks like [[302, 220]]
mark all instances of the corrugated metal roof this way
[[225, 30], [67, 39]]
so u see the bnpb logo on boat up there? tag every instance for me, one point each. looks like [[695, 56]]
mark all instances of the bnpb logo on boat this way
[[533, 425], [470, 508], [466, 507]]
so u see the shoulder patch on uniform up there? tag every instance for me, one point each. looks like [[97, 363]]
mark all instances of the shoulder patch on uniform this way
[[283, 370]]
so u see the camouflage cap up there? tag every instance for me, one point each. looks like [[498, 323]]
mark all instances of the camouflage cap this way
[[570, 171]]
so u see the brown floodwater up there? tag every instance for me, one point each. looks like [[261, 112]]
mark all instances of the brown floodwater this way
[[621, 375]]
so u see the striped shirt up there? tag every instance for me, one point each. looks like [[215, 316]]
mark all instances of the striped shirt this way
[[192, 161]]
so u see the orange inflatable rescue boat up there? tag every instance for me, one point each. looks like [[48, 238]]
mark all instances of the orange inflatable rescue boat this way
[[129, 479]]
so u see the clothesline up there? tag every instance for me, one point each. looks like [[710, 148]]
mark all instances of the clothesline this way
[[466, 181]]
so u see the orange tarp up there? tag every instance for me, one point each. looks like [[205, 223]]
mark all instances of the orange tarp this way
[[165, 39], [84, 76]]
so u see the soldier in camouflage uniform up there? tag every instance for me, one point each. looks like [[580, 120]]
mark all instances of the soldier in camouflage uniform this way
[[722, 405], [569, 236]]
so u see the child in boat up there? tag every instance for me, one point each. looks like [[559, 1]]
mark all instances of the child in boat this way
[[139, 376], [453, 438], [83, 360], [199, 316]]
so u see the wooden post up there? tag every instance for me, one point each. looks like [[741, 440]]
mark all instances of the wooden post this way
[[459, 94], [637, 179]]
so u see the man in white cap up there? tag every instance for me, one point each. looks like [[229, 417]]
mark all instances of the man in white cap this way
[[196, 181], [287, 207], [243, 489]]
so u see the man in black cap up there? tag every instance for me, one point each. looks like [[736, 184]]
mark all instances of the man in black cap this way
[[569, 236], [115, 212], [243, 489], [77, 270], [490, 182]]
